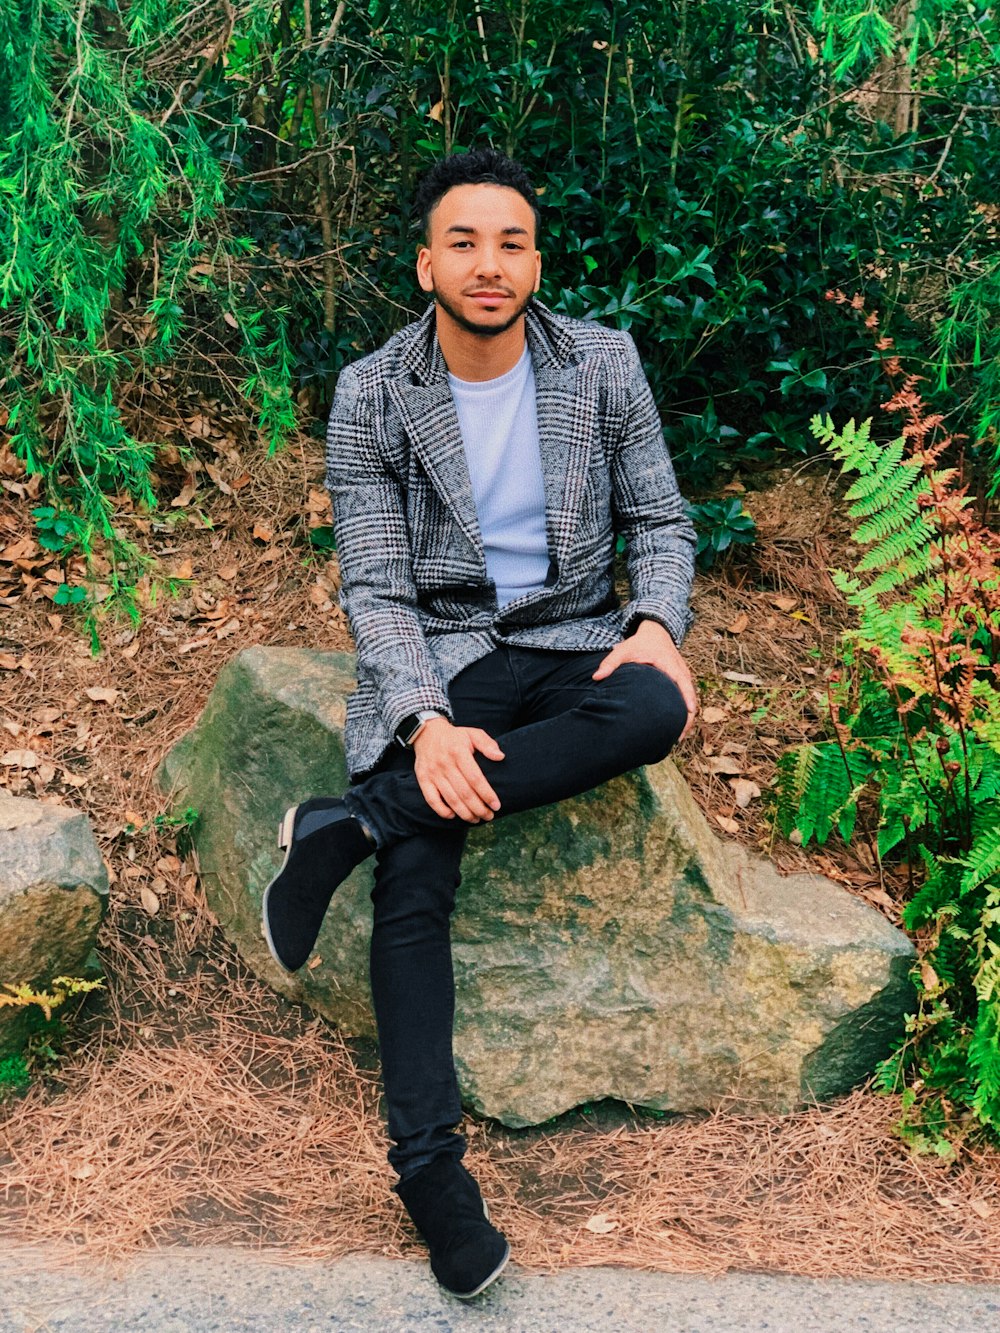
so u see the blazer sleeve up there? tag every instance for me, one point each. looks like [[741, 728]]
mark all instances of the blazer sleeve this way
[[378, 592], [649, 512]]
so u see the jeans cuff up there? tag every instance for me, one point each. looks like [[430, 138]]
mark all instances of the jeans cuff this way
[[354, 810]]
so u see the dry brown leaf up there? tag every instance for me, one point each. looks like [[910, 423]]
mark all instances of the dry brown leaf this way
[[739, 624], [262, 533], [713, 715], [24, 549], [46, 772], [149, 900], [19, 758], [745, 791], [220, 481], [741, 678], [601, 1224], [84, 1171], [724, 763], [168, 865], [131, 650], [782, 602], [730, 825], [881, 898], [102, 694], [228, 572], [314, 962], [186, 494], [244, 479], [437, 112], [981, 1208], [8, 662], [231, 320], [931, 980], [184, 570], [230, 627], [9, 725]]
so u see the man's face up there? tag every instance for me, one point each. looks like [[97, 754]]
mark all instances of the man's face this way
[[480, 260]]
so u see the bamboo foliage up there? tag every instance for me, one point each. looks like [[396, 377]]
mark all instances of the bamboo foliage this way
[[112, 195]]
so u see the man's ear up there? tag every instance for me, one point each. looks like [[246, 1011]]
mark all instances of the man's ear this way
[[538, 269], [424, 276]]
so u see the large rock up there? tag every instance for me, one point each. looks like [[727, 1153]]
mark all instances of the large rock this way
[[53, 893], [609, 946]]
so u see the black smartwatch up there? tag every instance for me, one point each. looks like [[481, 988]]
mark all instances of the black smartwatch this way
[[410, 727]]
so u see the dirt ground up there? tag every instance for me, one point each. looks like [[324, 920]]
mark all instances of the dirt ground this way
[[191, 1105]]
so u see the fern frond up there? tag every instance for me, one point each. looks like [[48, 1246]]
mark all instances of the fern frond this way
[[984, 1061], [895, 547], [904, 512], [877, 465], [983, 861]]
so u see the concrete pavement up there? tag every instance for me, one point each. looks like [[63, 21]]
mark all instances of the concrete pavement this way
[[239, 1291]]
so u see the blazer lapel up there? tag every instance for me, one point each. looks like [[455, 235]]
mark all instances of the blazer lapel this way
[[431, 424], [563, 407]]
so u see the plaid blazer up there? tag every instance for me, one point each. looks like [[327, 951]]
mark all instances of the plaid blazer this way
[[413, 571]]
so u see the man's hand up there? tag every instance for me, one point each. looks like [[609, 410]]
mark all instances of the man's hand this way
[[449, 777], [652, 645]]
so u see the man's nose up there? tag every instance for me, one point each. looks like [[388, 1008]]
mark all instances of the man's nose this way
[[488, 261]]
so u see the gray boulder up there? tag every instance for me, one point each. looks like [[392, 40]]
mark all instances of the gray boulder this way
[[53, 894], [609, 946]]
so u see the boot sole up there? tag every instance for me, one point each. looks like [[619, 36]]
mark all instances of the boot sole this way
[[286, 831], [469, 1295]]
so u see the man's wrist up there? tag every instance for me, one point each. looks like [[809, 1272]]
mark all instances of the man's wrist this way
[[654, 625], [411, 727]]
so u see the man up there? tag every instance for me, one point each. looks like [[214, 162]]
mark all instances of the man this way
[[481, 465]]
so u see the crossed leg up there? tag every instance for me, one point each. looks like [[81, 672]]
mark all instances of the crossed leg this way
[[562, 733]]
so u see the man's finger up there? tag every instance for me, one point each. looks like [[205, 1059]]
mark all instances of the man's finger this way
[[457, 803], [485, 744], [606, 665], [433, 799], [478, 788]]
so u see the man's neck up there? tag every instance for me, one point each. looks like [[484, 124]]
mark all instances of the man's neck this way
[[475, 356]]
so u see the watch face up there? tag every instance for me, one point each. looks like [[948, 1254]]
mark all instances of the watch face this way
[[407, 729]]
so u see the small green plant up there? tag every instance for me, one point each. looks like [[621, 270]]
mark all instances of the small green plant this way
[[60, 531], [720, 524], [46, 1030], [14, 1075], [178, 826], [916, 729]]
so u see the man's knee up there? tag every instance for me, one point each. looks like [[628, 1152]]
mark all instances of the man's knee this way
[[658, 711], [418, 876]]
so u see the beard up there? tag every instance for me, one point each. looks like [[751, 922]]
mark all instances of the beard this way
[[481, 330]]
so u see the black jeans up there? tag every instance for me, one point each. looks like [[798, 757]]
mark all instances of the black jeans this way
[[562, 733]]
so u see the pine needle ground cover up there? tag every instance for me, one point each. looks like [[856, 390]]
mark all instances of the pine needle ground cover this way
[[191, 1105]]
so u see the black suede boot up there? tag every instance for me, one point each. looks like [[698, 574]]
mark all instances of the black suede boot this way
[[322, 844], [467, 1253]]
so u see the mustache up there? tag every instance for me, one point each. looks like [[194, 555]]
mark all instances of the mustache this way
[[477, 291]]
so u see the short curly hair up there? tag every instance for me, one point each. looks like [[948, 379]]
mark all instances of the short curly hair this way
[[480, 166]]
